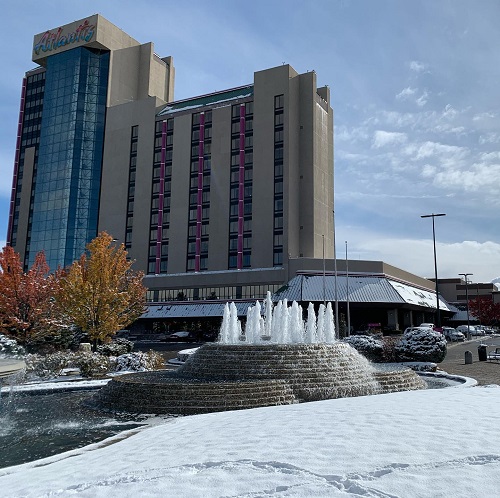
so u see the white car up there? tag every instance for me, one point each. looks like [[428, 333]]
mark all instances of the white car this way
[[427, 325], [453, 335], [411, 329]]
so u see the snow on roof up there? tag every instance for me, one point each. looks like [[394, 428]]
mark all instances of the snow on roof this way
[[193, 309], [358, 288]]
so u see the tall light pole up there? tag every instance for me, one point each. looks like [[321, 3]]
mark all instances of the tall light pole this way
[[438, 313], [337, 329], [324, 273], [347, 290], [465, 275]]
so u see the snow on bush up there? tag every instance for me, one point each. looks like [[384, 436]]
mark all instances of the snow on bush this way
[[366, 345], [418, 366], [116, 348], [138, 362], [9, 347], [92, 364], [422, 345], [50, 366]]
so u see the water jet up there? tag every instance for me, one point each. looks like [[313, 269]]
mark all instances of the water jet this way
[[276, 358]]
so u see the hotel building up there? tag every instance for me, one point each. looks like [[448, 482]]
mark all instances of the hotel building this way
[[220, 196]]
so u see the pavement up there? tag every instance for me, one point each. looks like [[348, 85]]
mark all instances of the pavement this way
[[485, 372]]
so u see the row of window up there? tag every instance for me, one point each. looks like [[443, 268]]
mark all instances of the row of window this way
[[208, 293], [279, 103], [199, 193], [160, 202], [240, 195], [134, 137], [30, 137]]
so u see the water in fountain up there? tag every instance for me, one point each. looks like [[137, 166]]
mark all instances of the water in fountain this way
[[279, 359], [279, 325]]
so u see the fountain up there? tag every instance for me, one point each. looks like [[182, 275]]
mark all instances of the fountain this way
[[277, 359]]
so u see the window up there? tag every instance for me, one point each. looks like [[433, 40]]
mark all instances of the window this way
[[279, 101]]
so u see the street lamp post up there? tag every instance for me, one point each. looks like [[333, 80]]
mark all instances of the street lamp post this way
[[465, 275], [337, 329], [347, 292], [438, 313]]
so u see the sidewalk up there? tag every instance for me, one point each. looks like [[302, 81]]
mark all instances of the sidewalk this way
[[485, 372]]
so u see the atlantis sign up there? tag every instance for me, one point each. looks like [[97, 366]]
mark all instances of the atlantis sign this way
[[52, 40]]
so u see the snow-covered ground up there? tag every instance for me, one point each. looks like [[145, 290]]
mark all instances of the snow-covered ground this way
[[435, 443]]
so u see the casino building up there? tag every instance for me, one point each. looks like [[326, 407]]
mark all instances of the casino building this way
[[217, 197]]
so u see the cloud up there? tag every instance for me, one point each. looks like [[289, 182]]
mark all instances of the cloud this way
[[409, 93], [417, 67], [445, 154], [422, 100], [406, 93], [483, 116], [482, 177], [416, 255], [382, 138], [489, 138], [350, 134]]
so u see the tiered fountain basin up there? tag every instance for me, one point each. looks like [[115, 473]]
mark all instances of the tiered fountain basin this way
[[220, 377]]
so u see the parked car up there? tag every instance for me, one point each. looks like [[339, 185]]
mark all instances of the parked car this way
[[485, 329], [183, 336], [453, 335], [429, 325], [473, 330], [410, 329]]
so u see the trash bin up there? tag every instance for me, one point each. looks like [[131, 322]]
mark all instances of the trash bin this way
[[482, 352]]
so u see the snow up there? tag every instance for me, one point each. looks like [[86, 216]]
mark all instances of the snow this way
[[435, 443]]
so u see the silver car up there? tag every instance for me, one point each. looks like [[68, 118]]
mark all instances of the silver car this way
[[453, 335]]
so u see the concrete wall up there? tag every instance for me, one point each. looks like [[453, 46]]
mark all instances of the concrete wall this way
[[115, 174], [219, 189], [214, 279], [179, 206], [136, 73]]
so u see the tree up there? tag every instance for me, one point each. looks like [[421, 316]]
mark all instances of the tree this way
[[100, 293], [28, 310], [485, 310]]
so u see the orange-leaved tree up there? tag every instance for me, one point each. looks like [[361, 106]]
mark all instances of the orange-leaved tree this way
[[28, 311], [100, 293]]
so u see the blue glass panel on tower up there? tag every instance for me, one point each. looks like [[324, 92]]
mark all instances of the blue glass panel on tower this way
[[66, 194]]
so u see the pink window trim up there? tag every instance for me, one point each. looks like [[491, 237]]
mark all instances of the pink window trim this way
[[241, 188], [199, 198], [161, 195]]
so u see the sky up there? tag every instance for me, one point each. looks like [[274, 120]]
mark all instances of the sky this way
[[408, 444], [414, 88]]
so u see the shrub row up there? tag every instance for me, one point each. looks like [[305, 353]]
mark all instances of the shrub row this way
[[416, 345], [90, 364]]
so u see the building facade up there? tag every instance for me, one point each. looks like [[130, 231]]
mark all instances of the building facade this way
[[87, 68], [221, 196], [232, 184]]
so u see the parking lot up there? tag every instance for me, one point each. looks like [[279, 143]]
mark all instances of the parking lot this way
[[485, 372]]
